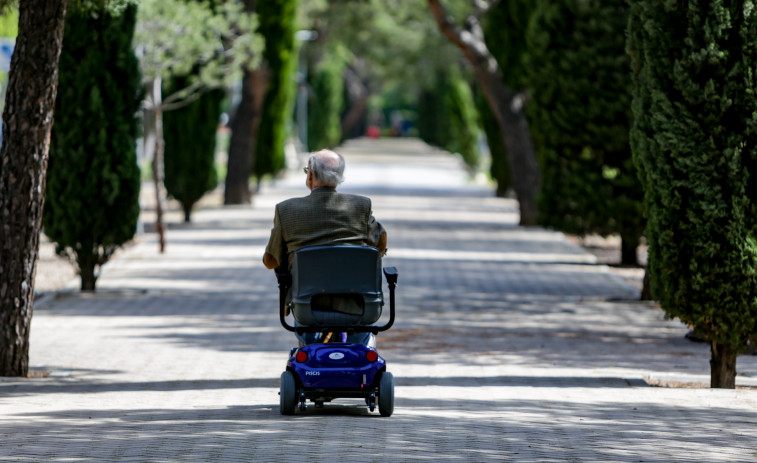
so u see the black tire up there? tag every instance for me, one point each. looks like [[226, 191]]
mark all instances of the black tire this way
[[386, 394], [287, 393]]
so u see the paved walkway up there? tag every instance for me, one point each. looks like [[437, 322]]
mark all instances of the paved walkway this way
[[511, 344]]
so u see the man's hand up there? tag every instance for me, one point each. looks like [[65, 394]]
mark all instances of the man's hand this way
[[382, 244], [269, 261]]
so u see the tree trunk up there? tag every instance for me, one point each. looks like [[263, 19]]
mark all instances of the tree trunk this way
[[722, 367], [646, 290], [244, 129], [27, 122], [156, 97], [87, 272], [353, 123], [521, 158], [241, 145], [506, 105], [359, 102], [628, 247]]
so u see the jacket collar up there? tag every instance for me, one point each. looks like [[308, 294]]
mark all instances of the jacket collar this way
[[323, 190]]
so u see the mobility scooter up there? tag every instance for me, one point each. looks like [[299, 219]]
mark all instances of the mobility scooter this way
[[332, 368]]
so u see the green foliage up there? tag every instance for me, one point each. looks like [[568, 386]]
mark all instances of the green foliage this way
[[96, 8], [392, 107], [278, 26], [447, 117], [198, 38], [7, 5], [695, 142], [325, 103], [580, 118], [394, 47], [8, 28], [92, 196], [189, 133], [398, 39], [9, 22], [431, 123], [505, 28], [458, 100]]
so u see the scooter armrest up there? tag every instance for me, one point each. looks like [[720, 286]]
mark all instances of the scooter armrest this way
[[283, 277], [391, 274]]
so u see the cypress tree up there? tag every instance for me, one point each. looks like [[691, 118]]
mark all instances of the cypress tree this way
[[580, 118], [430, 118], [695, 142], [459, 105], [278, 26], [189, 137], [189, 134], [92, 197], [447, 117], [325, 104]]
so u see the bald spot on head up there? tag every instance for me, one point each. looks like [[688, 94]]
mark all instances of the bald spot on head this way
[[329, 158], [327, 168]]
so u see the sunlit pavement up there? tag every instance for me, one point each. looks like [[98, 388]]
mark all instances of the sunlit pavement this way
[[511, 344]]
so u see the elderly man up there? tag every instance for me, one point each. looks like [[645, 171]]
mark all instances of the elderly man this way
[[324, 217]]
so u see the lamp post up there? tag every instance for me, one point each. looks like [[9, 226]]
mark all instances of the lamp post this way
[[302, 88]]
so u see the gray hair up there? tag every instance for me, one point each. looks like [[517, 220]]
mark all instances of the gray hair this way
[[327, 170]]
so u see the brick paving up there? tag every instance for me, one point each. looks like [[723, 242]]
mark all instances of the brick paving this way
[[511, 344]]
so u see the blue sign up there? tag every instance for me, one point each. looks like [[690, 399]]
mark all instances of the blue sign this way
[[6, 51]]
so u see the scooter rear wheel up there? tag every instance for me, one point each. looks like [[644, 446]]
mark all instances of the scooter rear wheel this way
[[287, 393], [386, 394]]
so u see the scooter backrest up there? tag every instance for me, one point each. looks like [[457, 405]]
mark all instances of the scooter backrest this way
[[338, 269]]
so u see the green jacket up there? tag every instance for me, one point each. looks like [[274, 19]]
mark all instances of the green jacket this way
[[324, 217]]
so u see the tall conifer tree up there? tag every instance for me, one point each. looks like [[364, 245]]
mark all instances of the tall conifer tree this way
[[189, 133], [92, 197], [580, 117], [278, 26], [695, 141], [447, 116], [325, 106]]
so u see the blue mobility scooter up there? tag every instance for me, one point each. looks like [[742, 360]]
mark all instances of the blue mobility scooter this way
[[331, 367]]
